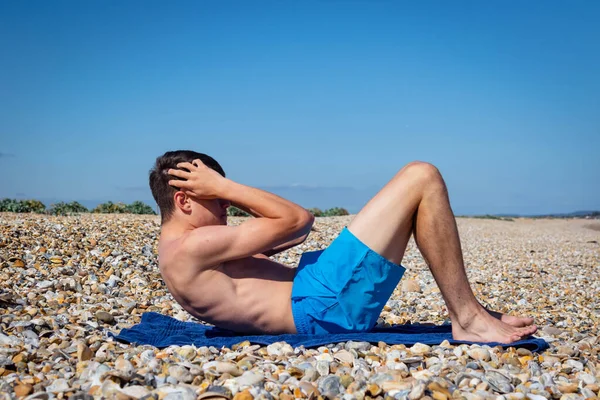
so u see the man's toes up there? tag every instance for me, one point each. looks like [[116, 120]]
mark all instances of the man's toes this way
[[515, 338], [522, 331], [526, 321], [517, 321], [527, 330], [532, 329]]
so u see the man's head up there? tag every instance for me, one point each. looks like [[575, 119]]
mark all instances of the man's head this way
[[170, 199]]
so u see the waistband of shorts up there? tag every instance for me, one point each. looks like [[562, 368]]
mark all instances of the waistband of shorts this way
[[300, 318]]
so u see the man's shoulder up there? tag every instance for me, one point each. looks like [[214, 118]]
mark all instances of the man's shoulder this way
[[206, 234], [195, 243]]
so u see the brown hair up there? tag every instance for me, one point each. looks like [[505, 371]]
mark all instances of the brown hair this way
[[159, 178]]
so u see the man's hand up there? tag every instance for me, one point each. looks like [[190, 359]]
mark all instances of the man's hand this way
[[199, 180]]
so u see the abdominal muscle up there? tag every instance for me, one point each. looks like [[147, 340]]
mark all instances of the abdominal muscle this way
[[250, 295]]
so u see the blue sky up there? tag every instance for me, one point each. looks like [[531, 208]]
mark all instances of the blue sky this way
[[321, 102]]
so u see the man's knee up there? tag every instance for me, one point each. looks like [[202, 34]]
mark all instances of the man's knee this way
[[422, 171]]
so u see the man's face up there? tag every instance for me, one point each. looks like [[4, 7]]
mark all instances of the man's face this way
[[223, 206], [215, 211]]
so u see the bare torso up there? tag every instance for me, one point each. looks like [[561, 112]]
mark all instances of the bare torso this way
[[251, 294]]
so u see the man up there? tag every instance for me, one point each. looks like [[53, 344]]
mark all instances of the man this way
[[223, 275]]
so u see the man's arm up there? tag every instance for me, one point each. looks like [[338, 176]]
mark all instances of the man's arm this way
[[214, 244], [281, 247], [285, 246]]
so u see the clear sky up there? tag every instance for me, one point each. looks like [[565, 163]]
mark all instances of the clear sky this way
[[321, 102]]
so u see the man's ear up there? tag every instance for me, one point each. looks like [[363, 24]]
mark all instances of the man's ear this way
[[182, 202]]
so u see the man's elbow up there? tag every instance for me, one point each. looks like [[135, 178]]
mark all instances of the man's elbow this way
[[308, 220], [303, 224]]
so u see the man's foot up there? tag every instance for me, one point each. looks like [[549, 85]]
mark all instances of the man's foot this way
[[484, 327], [511, 319]]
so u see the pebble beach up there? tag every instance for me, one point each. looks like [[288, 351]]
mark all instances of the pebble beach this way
[[65, 282]]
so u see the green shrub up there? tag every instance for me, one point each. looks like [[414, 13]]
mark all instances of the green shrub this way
[[332, 212], [488, 216], [111, 208], [236, 212], [22, 206], [335, 211], [10, 205], [62, 208], [317, 212], [137, 207], [35, 206], [5, 205]]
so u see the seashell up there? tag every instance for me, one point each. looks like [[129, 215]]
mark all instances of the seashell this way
[[499, 382]]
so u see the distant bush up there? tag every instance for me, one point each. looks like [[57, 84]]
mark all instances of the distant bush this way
[[35, 206], [335, 212], [8, 205], [62, 208], [236, 212], [111, 208], [332, 212], [137, 207], [494, 217], [22, 206], [317, 212]]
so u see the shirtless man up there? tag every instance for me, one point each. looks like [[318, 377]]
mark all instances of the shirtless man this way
[[223, 274]]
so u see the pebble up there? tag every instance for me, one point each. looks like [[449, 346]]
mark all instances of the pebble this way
[[58, 386], [279, 348], [588, 379], [244, 395], [228, 367], [322, 367], [577, 365], [38, 396], [472, 365], [134, 392], [480, 354], [105, 317], [181, 374], [344, 356], [65, 281], [410, 285], [330, 386], [23, 389], [249, 378], [532, 396], [83, 352], [417, 391], [308, 389], [358, 346], [420, 349], [499, 381], [568, 388], [514, 396], [588, 393], [551, 330], [172, 392]]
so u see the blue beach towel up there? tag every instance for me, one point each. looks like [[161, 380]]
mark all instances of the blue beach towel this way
[[161, 331]]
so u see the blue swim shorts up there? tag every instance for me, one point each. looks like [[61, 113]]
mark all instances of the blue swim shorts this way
[[342, 288]]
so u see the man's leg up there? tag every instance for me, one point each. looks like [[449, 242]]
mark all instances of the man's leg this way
[[417, 197]]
